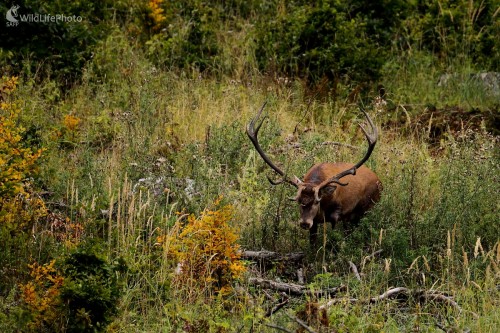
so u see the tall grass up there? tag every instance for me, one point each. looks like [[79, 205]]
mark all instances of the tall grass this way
[[152, 145]]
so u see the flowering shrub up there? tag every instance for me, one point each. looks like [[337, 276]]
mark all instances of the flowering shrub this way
[[16, 161], [80, 297], [20, 213], [67, 133], [156, 13], [71, 122], [42, 294], [206, 250], [18, 209]]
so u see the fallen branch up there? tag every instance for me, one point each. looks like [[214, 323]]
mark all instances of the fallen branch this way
[[276, 308], [423, 295], [300, 276], [336, 301], [389, 293], [271, 256], [278, 328], [301, 323], [369, 257], [289, 288], [447, 300], [354, 269], [292, 288], [282, 302]]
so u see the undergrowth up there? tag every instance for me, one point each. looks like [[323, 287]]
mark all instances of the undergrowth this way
[[108, 221]]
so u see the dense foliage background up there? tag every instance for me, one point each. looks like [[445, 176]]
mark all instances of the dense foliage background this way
[[129, 188], [346, 41]]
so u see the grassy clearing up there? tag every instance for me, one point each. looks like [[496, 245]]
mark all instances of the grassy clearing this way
[[133, 149]]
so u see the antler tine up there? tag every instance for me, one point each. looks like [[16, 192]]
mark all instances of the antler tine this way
[[320, 186], [294, 181], [252, 133], [372, 140], [275, 182], [339, 183]]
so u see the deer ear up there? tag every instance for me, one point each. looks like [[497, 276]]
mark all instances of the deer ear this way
[[328, 190]]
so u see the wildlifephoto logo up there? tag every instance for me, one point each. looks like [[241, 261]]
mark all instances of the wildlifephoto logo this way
[[11, 16], [14, 17]]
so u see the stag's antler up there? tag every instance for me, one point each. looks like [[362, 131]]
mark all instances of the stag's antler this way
[[372, 140], [252, 133]]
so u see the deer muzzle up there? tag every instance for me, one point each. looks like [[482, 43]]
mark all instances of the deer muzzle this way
[[306, 224]]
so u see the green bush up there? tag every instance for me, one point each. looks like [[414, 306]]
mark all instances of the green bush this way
[[383, 18], [56, 49], [424, 203], [190, 39], [318, 42], [91, 289], [454, 30]]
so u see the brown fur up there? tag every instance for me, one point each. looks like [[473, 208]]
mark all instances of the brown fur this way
[[338, 203]]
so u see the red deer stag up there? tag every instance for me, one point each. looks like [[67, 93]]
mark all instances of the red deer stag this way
[[321, 196]]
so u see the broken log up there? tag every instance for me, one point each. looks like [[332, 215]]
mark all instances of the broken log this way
[[289, 288], [271, 256], [292, 288], [388, 294]]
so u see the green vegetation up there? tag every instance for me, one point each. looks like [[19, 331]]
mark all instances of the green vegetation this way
[[128, 185]]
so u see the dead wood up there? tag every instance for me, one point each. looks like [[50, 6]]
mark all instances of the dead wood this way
[[284, 300], [301, 323], [354, 269], [271, 256], [278, 328], [441, 298], [300, 276], [389, 293], [281, 303], [369, 257], [292, 288], [289, 288], [277, 307], [422, 295]]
